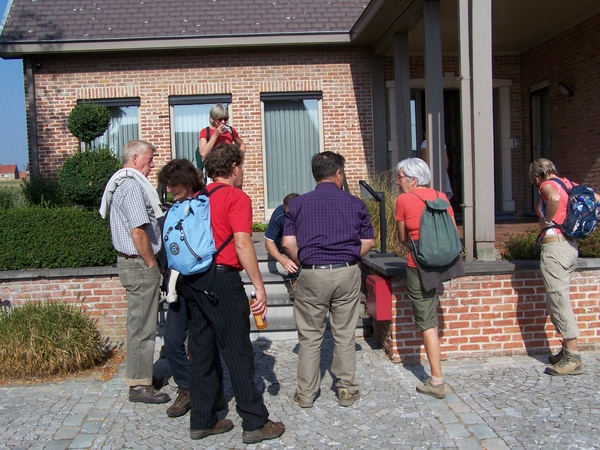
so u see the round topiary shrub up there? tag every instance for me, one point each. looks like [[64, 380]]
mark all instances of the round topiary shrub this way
[[84, 175], [87, 121], [48, 338]]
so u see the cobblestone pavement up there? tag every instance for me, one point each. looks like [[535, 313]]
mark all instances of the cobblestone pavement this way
[[493, 403]]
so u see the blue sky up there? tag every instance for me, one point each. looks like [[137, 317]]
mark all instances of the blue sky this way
[[13, 127]]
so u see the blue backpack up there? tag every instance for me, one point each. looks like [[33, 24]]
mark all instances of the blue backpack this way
[[581, 217], [187, 235]]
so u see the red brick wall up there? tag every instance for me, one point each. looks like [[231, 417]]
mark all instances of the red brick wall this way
[[491, 315], [102, 297], [572, 58], [343, 76]]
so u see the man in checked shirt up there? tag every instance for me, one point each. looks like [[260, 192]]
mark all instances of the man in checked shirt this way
[[327, 232]]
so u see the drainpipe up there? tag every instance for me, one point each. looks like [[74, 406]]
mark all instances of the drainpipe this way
[[467, 127], [34, 166]]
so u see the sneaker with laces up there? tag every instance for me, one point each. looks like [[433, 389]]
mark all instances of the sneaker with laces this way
[[437, 391], [181, 405], [269, 430], [569, 364], [222, 426], [147, 394], [345, 398]]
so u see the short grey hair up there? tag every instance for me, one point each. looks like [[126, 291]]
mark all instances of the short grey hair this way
[[415, 168], [136, 147], [219, 111]]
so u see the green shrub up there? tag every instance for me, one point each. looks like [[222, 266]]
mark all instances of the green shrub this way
[[384, 182], [50, 238], [590, 246], [87, 121], [48, 338], [41, 190], [259, 227], [11, 198], [522, 246], [84, 175]]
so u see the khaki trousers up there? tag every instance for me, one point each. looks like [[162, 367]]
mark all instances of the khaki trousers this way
[[557, 263], [320, 291]]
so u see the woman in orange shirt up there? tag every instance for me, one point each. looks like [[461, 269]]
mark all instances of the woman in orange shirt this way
[[413, 180]]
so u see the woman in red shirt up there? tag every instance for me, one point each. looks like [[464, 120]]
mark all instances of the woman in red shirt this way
[[219, 132], [413, 180]]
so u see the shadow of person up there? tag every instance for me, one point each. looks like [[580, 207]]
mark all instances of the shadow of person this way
[[532, 319], [264, 368]]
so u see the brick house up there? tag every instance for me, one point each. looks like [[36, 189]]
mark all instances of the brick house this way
[[498, 82], [9, 172]]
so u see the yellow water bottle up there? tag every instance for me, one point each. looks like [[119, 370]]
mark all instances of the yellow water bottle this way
[[258, 320]]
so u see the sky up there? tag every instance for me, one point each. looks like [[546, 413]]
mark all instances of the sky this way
[[13, 126]]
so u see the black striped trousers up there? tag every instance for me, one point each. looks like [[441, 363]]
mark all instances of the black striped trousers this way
[[223, 318]]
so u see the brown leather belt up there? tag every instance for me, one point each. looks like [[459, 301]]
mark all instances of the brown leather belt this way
[[123, 255], [553, 238]]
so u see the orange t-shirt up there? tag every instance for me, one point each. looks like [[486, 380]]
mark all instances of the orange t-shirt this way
[[409, 209], [561, 213]]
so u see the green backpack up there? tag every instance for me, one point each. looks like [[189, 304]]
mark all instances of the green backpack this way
[[439, 243]]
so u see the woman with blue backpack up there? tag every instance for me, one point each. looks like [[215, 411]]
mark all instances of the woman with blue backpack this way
[[557, 207]]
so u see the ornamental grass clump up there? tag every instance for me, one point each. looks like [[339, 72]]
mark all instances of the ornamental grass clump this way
[[47, 338], [384, 182]]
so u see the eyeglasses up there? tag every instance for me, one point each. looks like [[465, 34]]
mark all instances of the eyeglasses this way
[[222, 119], [400, 177]]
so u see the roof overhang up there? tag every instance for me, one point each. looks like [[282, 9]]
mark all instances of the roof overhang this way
[[10, 50]]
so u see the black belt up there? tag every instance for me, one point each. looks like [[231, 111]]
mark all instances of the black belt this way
[[329, 266], [226, 269], [123, 255]]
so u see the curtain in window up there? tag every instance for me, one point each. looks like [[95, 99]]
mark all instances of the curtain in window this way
[[189, 120], [123, 127], [291, 139]]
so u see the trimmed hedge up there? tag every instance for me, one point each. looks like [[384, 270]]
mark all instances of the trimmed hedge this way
[[84, 175], [87, 121], [52, 238]]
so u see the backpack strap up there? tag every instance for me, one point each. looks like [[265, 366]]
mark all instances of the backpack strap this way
[[561, 183], [207, 134], [213, 267]]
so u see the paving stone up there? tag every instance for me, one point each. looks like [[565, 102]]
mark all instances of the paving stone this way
[[496, 403]]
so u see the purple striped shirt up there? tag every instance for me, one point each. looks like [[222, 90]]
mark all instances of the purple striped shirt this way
[[328, 224]]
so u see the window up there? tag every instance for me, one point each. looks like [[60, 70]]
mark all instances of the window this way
[[189, 115], [124, 124], [292, 135]]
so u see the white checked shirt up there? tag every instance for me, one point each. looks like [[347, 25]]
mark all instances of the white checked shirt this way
[[129, 209]]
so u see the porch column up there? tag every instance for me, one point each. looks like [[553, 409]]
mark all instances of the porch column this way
[[380, 150], [34, 165], [434, 91], [483, 129], [401, 99], [466, 119]]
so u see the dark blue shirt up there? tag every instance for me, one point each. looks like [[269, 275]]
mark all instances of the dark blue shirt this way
[[274, 230], [328, 224]]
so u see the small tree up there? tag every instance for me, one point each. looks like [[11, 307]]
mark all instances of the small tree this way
[[87, 121], [84, 175]]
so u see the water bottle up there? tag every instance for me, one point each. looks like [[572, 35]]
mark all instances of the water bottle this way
[[258, 320], [598, 210]]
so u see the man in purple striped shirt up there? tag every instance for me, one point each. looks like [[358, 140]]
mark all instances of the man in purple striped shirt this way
[[327, 231]]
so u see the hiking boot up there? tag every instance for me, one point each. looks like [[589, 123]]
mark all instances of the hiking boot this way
[[553, 359], [181, 405], [222, 426], [302, 403], [345, 398], [147, 394], [427, 388], [569, 364], [269, 430], [220, 403]]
